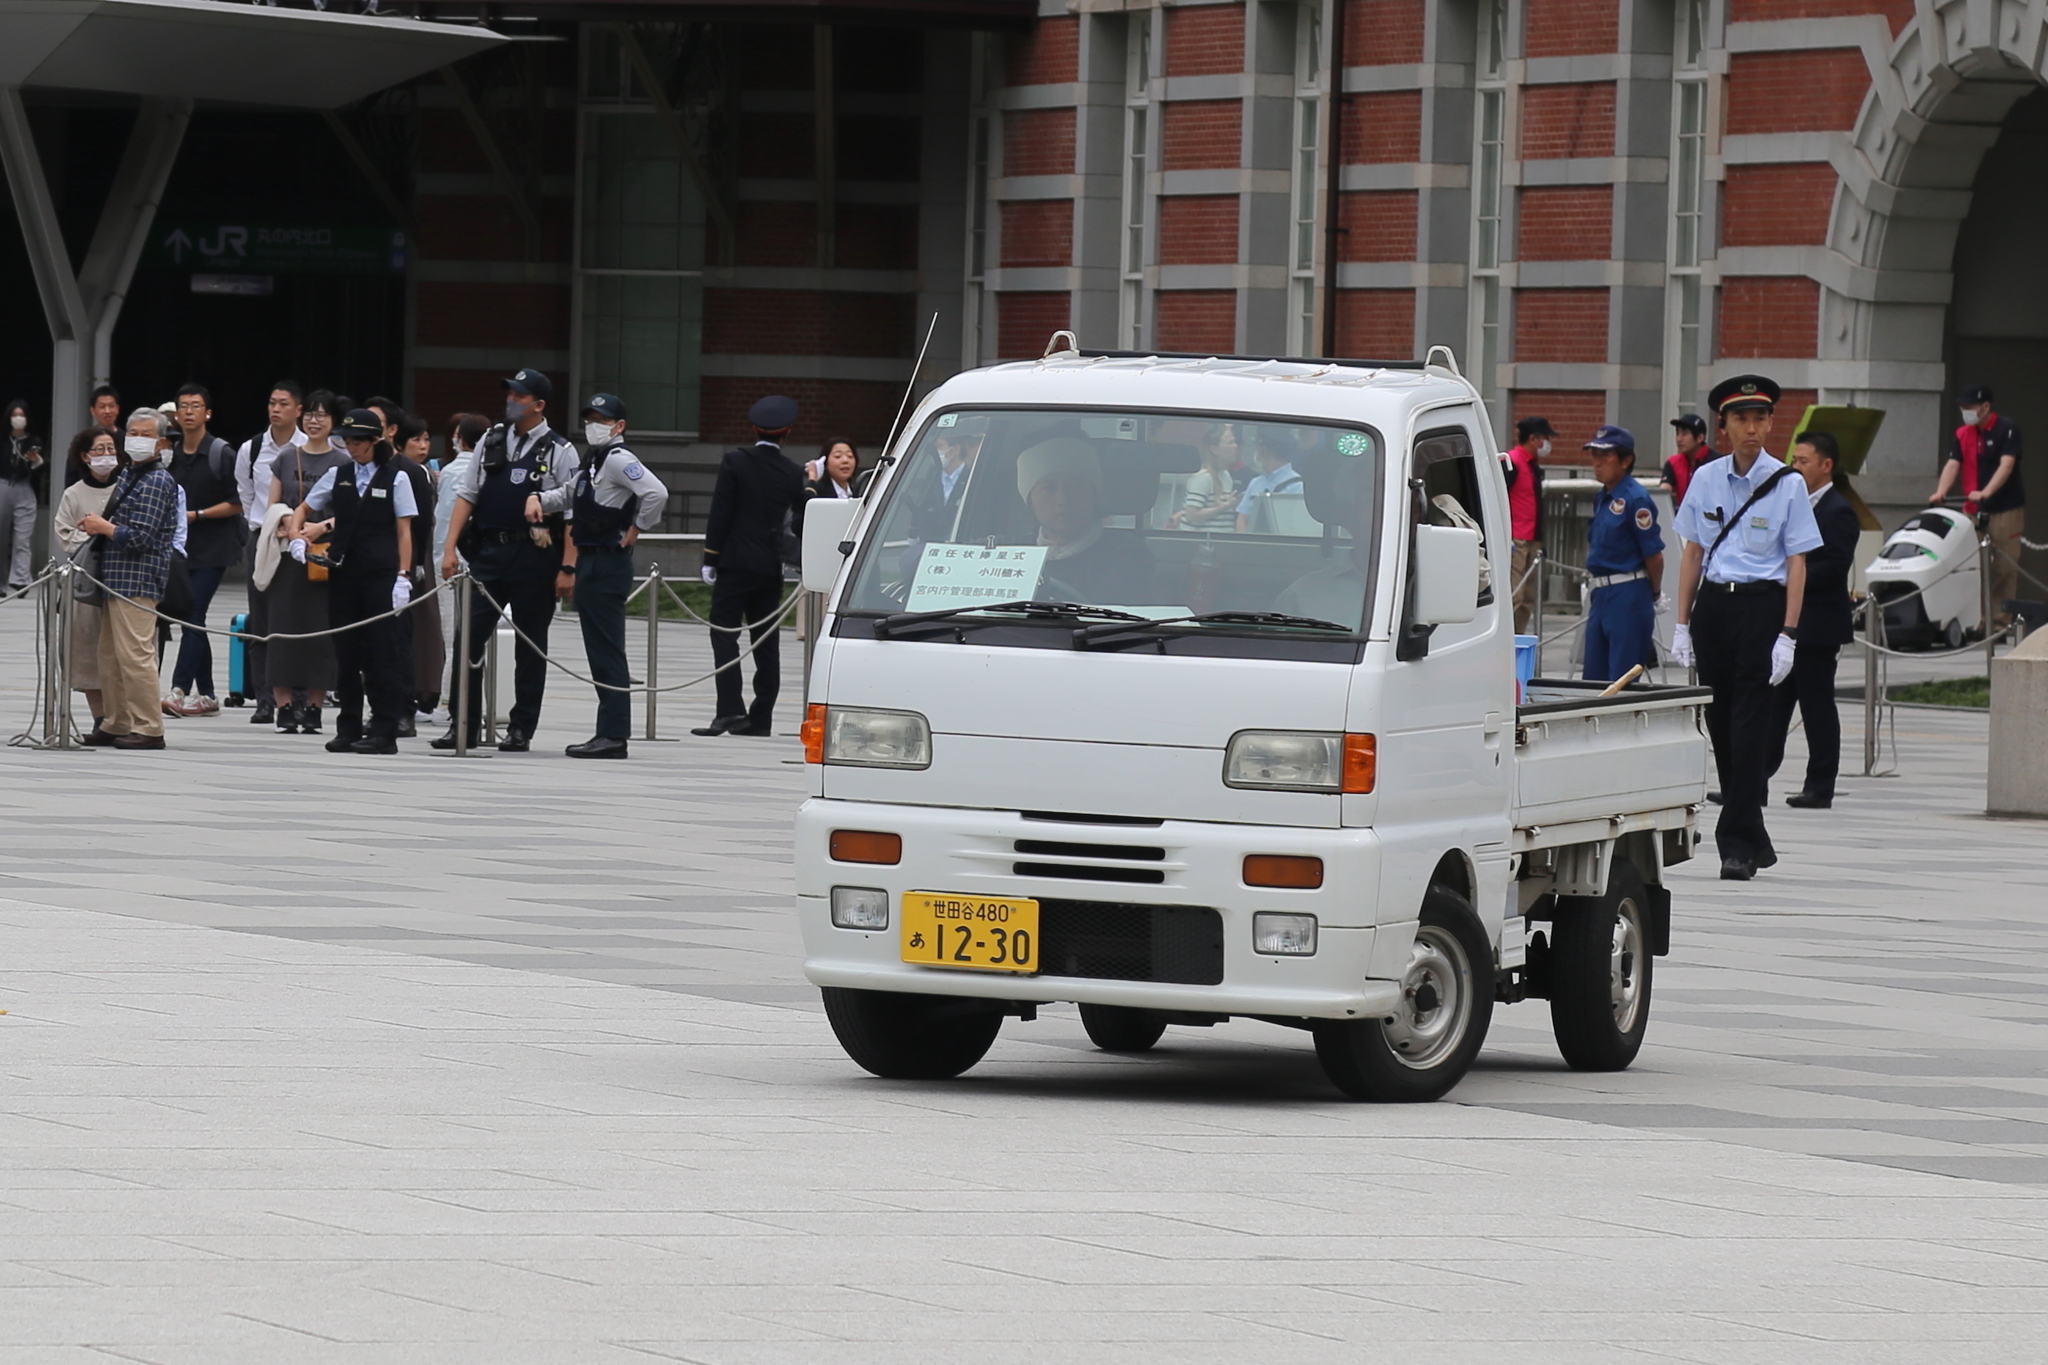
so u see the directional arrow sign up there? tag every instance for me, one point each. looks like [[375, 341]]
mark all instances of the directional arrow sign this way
[[285, 248]]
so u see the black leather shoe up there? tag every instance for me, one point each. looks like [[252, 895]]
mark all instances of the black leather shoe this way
[[725, 725], [1809, 800], [447, 740], [601, 747], [759, 729], [515, 742], [96, 738], [138, 741], [374, 744], [266, 712], [1767, 858], [1736, 870], [341, 743], [407, 729]]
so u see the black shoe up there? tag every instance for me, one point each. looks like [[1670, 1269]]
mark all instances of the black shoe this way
[[1767, 858], [407, 728], [309, 720], [97, 738], [287, 719], [725, 725], [759, 729], [342, 743], [515, 742], [374, 744], [601, 747], [1809, 800], [138, 741], [1713, 798], [266, 712], [1736, 870]]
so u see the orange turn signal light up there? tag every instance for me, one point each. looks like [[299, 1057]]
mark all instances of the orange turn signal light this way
[[866, 846], [1279, 869], [1360, 763], [812, 732]]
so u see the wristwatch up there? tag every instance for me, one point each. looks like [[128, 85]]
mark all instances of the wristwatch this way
[[1789, 632]]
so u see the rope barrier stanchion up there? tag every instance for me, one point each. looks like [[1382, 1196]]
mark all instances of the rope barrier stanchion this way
[[490, 732], [464, 663], [653, 643], [59, 731]]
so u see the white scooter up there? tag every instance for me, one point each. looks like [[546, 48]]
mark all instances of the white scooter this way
[[1935, 552]]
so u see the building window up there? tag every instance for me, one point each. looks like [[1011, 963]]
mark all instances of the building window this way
[[981, 131], [1131, 303], [640, 232], [1489, 169], [1308, 113], [1688, 193]]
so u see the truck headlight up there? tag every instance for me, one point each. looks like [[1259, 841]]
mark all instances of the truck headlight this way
[[860, 907], [1279, 935], [1284, 760], [863, 737]]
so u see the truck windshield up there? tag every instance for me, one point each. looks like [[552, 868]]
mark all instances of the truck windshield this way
[[1160, 515]]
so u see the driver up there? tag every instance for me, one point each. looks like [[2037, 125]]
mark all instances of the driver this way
[[1061, 481]]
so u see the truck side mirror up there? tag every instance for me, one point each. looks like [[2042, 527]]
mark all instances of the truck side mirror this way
[[1445, 585], [826, 522]]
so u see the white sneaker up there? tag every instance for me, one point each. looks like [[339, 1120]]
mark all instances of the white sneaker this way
[[200, 706], [174, 704]]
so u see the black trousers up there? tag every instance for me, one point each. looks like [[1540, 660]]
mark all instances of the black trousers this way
[[521, 576], [603, 579], [749, 598], [1732, 636], [367, 660], [1811, 692]]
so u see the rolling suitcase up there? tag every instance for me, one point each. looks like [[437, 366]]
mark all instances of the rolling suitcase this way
[[238, 664]]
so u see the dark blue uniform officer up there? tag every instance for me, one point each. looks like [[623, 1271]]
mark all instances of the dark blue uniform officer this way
[[1624, 562]]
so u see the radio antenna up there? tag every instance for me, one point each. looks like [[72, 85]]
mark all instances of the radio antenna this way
[[909, 390]]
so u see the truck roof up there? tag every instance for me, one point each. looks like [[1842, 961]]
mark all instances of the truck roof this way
[[1342, 390]]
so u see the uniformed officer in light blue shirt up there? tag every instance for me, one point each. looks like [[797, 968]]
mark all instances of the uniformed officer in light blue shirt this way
[[1624, 561], [1747, 525]]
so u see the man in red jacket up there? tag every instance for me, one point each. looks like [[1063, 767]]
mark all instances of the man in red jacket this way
[[1689, 434], [1525, 509]]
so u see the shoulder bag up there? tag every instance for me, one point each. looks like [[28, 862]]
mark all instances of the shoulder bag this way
[[1766, 486], [87, 557]]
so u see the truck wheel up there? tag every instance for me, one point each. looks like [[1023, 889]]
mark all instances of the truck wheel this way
[[911, 1037], [1428, 1044], [1120, 1028], [1600, 967]]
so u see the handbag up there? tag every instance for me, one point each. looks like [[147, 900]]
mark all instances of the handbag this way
[[177, 602]]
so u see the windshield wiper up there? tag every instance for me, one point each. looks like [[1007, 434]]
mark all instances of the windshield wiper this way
[[887, 626], [1087, 635]]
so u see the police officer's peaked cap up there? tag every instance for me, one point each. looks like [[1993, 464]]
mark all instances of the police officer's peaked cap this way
[[773, 413], [607, 406], [1742, 392], [1533, 426], [1691, 422], [1975, 394], [532, 383], [361, 424], [1617, 439]]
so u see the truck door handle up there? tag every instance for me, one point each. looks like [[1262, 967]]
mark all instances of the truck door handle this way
[[1493, 723]]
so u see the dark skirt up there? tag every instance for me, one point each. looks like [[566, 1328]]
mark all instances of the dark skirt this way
[[298, 605]]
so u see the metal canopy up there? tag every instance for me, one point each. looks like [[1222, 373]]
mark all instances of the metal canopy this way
[[234, 53]]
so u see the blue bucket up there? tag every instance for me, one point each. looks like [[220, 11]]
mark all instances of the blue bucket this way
[[1525, 663]]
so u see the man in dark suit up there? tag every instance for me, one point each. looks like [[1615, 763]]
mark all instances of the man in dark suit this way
[[1824, 627], [757, 490]]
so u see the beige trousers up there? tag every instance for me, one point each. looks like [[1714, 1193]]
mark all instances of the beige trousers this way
[[128, 668], [1525, 583], [2006, 529]]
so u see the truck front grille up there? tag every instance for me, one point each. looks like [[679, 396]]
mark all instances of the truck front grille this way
[[1106, 941]]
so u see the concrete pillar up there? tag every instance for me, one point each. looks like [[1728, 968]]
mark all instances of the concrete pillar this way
[[2018, 780]]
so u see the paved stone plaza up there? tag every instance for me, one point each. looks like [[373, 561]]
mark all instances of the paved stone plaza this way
[[310, 1058]]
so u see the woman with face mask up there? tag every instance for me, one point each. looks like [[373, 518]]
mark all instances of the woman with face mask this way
[[298, 602], [90, 468], [24, 477]]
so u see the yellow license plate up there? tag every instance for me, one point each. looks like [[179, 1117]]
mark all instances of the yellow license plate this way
[[985, 933]]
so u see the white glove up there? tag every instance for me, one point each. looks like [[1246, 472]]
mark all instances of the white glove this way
[[1664, 604], [1781, 659], [401, 592], [1681, 646], [298, 550], [708, 573]]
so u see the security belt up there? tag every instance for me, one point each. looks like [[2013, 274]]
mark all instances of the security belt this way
[[1733, 589], [1610, 580]]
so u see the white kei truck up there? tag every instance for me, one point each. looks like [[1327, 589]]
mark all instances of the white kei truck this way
[[1183, 688]]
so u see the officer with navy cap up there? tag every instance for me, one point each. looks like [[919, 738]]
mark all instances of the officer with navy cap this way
[[758, 491], [1624, 562], [515, 548], [613, 499], [1747, 524]]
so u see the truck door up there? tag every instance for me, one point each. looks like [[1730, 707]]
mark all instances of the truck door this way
[[1447, 714]]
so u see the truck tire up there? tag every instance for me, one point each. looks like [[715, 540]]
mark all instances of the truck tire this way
[[1600, 969], [1120, 1028], [1446, 1006], [911, 1037]]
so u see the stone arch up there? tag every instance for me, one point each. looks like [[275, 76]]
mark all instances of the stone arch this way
[[1938, 102]]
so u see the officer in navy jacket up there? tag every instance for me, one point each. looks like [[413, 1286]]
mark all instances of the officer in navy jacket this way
[[759, 491], [1825, 625], [515, 549]]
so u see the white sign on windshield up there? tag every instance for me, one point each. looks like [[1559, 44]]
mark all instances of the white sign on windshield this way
[[973, 575]]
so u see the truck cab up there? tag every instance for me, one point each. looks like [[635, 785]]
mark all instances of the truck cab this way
[[1183, 688]]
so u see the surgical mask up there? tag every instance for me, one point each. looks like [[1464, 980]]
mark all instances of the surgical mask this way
[[597, 433], [1543, 449], [140, 448], [102, 465], [18, 422], [1972, 416], [514, 409]]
